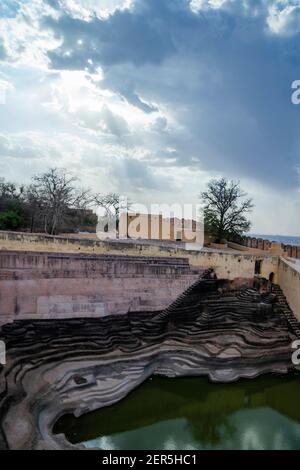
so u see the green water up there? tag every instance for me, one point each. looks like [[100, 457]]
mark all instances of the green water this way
[[192, 413]]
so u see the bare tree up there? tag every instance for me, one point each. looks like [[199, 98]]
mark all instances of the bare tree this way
[[225, 207], [52, 202], [56, 192], [111, 205], [109, 202], [34, 205], [83, 201], [10, 190]]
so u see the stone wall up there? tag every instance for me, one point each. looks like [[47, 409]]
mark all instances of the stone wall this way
[[48, 285], [48, 276], [226, 264], [289, 280], [156, 227], [266, 245]]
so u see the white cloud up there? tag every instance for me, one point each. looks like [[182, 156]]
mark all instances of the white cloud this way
[[23, 39], [284, 17], [156, 108], [285, 219], [101, 120], [197, 5], [84, 99], [160, 124], [5, 87], [34, 145], [84, 9]]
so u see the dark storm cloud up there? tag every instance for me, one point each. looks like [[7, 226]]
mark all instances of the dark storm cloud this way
[[135, 174], [127, 90], [221, 73], [124, 36]]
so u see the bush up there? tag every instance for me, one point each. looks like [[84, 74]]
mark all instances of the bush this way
[[11, 218]]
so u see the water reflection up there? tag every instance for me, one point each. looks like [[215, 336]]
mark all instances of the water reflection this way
[[191, 413]]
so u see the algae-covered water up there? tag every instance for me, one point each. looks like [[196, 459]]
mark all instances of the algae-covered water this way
[[192, 413]]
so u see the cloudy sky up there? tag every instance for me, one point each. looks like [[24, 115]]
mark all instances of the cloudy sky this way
[[152, 98]]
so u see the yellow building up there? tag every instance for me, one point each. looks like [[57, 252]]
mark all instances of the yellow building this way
[[155, 227]]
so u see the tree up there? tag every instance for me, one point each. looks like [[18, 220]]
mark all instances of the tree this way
[[10, 191], [11, 206], [34, 208], [51, 203], [80, 214], [12, 217], [112, 204], [225, 207], [109, 202], [54, 193]]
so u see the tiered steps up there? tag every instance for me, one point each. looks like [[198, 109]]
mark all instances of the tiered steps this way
[[285, 309], [79, 365]]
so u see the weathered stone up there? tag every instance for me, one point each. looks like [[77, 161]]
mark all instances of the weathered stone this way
[[47, 285], [79, 365]]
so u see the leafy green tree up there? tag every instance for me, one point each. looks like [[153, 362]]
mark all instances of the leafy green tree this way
[[12, 218]]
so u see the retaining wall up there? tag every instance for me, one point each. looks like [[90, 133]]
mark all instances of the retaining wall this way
[[58, 277], [47, 285], [289, 280], [227, 264]]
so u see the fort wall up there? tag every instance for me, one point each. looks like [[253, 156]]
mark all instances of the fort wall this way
[[289, 280], [227, 264], [59, 277], [292, 251]]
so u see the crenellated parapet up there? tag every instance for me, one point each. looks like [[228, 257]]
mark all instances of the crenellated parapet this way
[[291, 251]]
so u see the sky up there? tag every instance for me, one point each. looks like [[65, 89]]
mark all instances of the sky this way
[[153, 98]]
